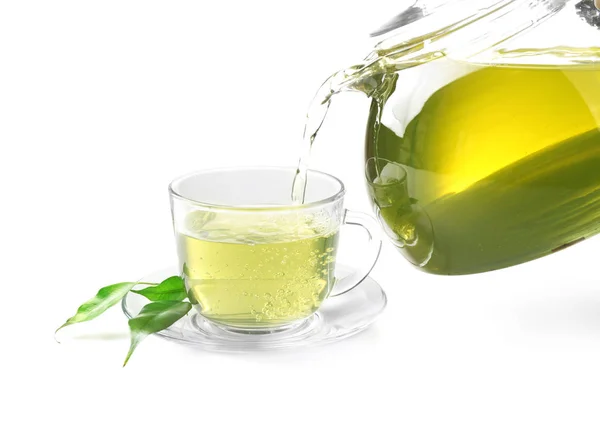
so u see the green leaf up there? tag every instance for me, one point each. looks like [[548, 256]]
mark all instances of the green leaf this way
[[153, 318], [171, 289], [192, 298], [104, 299]]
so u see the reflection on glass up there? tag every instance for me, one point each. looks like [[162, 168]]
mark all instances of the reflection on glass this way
[[403, 220]]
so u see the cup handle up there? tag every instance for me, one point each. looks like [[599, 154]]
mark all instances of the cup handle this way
[[373, 249]]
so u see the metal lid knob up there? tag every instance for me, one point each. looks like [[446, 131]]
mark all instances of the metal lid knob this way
[[589, 11]]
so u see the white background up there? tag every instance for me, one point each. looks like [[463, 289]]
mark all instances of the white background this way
[[103, 103]]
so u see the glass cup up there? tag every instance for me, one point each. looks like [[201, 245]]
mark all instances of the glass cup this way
[[252, 260]]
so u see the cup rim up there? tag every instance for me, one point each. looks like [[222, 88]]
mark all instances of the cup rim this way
[[289, 207]]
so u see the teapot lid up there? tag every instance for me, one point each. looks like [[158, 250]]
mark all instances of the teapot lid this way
[[446, 13], [478, 24]]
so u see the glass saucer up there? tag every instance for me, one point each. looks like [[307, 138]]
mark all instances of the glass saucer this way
[[339, 317]]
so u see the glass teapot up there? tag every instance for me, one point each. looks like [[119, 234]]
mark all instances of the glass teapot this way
[[483, 137]]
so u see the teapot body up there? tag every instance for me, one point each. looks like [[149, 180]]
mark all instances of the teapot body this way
[[487, 161]]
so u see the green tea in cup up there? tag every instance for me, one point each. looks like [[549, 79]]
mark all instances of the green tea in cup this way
[[246, 271]]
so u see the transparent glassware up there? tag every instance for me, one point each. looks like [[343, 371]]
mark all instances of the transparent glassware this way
[[339, 317], [254, 262], [482, 146]]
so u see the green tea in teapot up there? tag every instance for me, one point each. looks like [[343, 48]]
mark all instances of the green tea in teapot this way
[[496, 167], [473, 167]]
